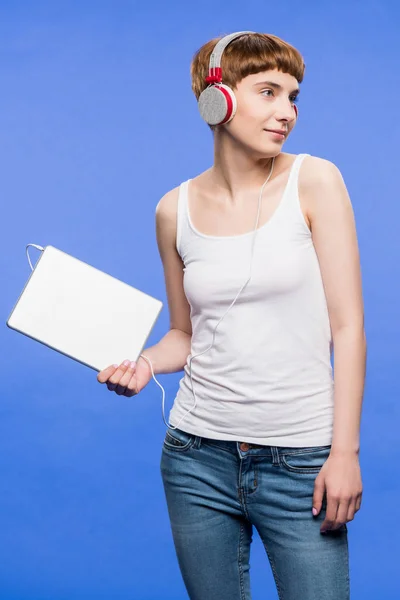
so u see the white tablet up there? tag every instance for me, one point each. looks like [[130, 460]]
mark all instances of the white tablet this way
[[82, 312]]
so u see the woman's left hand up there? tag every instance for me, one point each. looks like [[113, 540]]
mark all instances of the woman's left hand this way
[[340, 476]]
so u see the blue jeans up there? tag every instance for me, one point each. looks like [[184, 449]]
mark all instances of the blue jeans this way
[[217, 490]]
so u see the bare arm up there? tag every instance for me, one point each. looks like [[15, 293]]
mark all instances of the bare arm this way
[[335, 241], [170, 353]]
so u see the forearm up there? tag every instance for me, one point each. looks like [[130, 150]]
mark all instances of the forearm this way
[[350, 351], [169, 355]]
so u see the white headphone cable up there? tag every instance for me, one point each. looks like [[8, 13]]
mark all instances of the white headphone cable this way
[[237, 295], [230, 306]]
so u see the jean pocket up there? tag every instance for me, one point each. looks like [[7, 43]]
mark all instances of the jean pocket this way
[[176, 439], [306, 460]]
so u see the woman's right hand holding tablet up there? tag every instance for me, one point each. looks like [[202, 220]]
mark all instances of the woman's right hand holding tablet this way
[[127, 379]]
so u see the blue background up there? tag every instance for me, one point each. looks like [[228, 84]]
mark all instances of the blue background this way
[[98, 122]]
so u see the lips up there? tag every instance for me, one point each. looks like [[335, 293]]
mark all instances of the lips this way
[[280, 131]]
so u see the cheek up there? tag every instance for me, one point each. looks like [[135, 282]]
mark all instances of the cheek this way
[[247, 108], [250, 114]]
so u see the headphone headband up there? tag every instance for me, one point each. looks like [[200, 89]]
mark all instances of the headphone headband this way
[[217, 102], [215, 72]]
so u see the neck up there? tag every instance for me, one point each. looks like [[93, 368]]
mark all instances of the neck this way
[[236, 172]]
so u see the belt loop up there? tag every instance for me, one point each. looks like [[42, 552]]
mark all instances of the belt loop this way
[[197, 442], [275, 455]]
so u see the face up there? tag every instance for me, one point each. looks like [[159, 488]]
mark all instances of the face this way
[[262, 106]]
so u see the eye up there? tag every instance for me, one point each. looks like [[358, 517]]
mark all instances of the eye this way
[[294, 98]]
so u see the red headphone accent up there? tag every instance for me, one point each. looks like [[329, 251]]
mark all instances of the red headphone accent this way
[[229, 103], [214, 75]]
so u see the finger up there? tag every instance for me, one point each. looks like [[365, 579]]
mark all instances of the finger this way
[[351, 510], [342, 513], [119, 372], [331, 512], [106, 373], [319, 489], [132, 388], [358, 502], [125, 379]]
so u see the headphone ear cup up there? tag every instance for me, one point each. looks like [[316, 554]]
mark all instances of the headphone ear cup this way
[[217, 104], [296, 110]]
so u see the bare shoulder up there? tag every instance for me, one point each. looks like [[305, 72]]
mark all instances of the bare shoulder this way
[[167, 206], [316, 170], [166, 227], [166, 213], [320, 181]]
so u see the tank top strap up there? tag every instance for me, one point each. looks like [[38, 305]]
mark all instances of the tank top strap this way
[[290, 198], [181, 213], [294, 171]]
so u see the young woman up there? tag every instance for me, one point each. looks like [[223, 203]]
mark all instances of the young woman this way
[[260, 432]]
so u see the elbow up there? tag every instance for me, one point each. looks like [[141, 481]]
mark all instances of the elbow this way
[[350, 330]]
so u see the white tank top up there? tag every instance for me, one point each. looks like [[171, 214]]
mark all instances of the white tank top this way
[[268, 377]]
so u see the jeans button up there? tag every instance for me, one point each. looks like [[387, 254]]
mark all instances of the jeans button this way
[[244, 446]]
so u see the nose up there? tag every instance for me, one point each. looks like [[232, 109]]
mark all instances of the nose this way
[[288, 114]]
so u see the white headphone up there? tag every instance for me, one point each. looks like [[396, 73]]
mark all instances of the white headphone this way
[[217, 103]]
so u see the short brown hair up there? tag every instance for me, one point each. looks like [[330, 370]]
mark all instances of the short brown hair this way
[[246, 55]]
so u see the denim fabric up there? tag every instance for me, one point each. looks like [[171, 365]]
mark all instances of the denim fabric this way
[[216, 491]]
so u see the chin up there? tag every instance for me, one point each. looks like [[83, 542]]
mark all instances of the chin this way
[[267, 150]]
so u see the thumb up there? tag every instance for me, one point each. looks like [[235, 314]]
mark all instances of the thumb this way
[[318, 495]]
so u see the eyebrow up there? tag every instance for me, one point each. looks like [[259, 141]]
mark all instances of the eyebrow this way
[[276, 86]]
